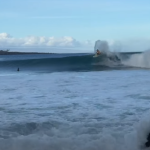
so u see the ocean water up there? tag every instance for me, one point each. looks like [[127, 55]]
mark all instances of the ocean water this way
[[74, 102]]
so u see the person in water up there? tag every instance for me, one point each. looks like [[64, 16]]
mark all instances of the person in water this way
[[147, 144], [98, 52]]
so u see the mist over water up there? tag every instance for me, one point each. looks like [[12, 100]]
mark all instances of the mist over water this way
[[103, 47], [139, 60]]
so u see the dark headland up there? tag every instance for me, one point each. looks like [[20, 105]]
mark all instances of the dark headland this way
[[7, 52]]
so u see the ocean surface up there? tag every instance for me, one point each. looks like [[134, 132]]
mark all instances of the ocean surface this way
[[74, 101]]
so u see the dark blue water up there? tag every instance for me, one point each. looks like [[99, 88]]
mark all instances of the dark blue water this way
[[60, 62]]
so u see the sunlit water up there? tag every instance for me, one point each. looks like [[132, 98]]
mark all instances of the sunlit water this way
[[102, 110]]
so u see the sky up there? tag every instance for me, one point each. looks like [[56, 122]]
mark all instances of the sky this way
[[74, 25]]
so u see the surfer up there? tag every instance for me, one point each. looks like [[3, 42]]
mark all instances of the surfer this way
[[147, 144], [98, 52]]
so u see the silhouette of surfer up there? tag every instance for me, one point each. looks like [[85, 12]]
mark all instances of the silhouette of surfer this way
[[18, 69], [98, 52], [147, 144]]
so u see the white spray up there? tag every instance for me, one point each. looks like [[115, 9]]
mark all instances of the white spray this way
[[102, 46], [139, 60], [111, 58]]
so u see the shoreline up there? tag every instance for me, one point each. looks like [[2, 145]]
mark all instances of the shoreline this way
[[2, 52]]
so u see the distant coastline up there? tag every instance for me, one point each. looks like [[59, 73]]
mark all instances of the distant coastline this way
[[7, 52]]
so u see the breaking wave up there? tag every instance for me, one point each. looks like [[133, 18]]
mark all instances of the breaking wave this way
[[138, 60], [77, 62], [66, 63]]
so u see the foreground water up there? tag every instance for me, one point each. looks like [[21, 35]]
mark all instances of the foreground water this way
[[98, 110]]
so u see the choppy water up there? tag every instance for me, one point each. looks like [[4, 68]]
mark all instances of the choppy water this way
[[74, 110]]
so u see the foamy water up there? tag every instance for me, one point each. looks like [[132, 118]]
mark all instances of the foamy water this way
[[139, 60], [105, 110]]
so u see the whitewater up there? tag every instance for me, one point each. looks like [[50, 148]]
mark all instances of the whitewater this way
[[74, 101]]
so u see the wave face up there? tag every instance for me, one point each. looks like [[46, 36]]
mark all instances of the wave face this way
[[61, 62]]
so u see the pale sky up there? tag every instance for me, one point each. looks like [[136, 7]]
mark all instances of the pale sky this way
[[74, 23]]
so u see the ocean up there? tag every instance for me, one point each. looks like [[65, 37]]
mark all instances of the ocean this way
[[74, 101]]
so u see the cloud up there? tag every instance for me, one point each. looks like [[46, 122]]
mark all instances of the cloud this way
[[42, 43], [68, 44]]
